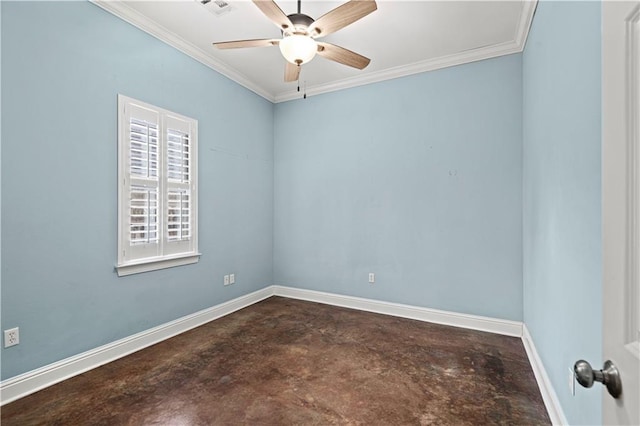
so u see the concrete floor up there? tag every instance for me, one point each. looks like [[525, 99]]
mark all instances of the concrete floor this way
[[284, 362]]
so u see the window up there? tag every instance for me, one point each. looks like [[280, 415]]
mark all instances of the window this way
[[157, 192]]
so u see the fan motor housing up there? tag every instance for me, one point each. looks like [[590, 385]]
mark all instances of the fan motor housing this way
[[300, 21]]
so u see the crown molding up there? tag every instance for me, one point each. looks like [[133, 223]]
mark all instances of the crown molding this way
[[465, 57], [135, 18], [524, 25]]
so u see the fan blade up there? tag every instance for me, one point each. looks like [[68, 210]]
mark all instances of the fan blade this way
[[291, 72], [342, 16], [274, 13], [342, 55], [264, 42]]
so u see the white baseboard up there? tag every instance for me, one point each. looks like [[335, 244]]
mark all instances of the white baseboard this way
[[474, 322], [549, 396], [35, 380]]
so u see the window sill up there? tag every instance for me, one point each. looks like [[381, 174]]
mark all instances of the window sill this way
[[156, 263]]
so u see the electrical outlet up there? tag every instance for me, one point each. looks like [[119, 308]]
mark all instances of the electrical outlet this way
[[232, 279], [11, 337], [372, 277], [226, 280]]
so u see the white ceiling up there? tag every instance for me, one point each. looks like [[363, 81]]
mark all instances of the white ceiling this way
[[401, 38]]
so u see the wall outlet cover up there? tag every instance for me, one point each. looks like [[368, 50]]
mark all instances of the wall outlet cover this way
[[11, 337]]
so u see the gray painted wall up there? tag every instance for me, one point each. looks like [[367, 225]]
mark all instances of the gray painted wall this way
[[63, 64], [562, 195], [416, 179]]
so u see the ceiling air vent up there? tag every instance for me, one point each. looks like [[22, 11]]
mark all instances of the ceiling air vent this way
[[217, 7]]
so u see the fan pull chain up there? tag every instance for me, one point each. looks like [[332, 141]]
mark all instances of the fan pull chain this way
[[305, 90]]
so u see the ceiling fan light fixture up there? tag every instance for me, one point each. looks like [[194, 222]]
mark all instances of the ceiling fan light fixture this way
[[298, 49], [299, 31]]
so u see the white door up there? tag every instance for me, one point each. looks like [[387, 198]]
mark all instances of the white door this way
[[621, 205]]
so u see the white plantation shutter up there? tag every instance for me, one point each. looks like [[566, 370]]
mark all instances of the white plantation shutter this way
[[179, 184], [143, 215], [143, 148], [177, 155], [178, 216], [157, 195], [140, 221]]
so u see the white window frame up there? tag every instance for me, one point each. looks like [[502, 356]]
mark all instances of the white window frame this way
[[166, 252]]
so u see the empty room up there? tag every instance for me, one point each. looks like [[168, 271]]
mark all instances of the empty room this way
[[311, 212]]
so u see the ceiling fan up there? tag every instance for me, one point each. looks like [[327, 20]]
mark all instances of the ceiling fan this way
[[300, 32]]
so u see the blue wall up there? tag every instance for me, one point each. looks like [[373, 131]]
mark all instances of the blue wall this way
[[63, 64], [416, 179], [440, 183], [562, 237]]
